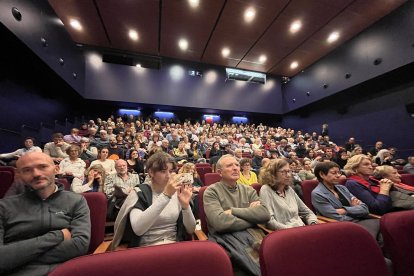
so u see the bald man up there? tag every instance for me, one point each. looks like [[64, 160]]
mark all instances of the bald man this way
[[44, 226]]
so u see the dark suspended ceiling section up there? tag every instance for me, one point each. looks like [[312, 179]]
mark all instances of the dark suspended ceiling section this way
[[219, 23]]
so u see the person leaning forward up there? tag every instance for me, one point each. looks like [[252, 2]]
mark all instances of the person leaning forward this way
[[44, 226]]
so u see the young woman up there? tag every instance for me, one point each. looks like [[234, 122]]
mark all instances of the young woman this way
[[286, 209], [135, 163], [162, 214], [107, 164]]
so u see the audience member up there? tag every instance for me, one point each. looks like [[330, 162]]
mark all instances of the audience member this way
[[92, 182], [286, 209], [247, 176], [107, 164], [375, 194], [232, 208], [306, 173], [383, 157], [28, 147], [409, 167], [56, 149], [374, 151], [73, 137], [72, 166], [158, 213], [44, 226], [135, 163], [87, 152]]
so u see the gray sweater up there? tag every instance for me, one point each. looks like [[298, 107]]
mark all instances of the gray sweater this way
[[286, 212], [219, 198]]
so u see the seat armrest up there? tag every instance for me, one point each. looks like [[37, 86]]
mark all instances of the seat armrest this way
[[200, 235], [264, 228], [103, 247], [374, 216], [325, 219]]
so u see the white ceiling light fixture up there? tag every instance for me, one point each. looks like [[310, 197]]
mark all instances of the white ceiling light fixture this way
[[183, 44], [249, 14], [295, 26], [262, 58], [133, 35], [225, 52], [332, 37], [294, 65], [75, 24], [194, 3]]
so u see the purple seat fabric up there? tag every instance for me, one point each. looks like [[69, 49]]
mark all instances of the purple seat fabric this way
[[338, 248], [201, 258], [397, 229]]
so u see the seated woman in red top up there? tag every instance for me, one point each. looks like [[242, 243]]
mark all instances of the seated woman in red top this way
[[374, 193]]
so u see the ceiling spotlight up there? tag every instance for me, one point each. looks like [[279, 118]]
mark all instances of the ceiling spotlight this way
[[295, 26], [225, 52], [262, 59], [75, 24], [183, 44], [294, 65], [133, 35], [138, 65], [194, 3], [333, 37], [249, 14]]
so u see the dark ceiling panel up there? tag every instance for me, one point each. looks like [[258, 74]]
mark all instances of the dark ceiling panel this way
[[179, 20], [215, 24], [278, 42], [237, 35], [119, 16], [93, 32]]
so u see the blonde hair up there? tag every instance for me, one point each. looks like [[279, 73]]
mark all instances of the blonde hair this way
[[186, 169], [268, 173], [99, 168], [382, 171], [353, 163]]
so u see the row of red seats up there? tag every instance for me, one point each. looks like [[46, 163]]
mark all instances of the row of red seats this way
[[340, 248]]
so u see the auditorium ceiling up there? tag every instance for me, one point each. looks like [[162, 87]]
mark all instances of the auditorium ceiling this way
[[280, 37]]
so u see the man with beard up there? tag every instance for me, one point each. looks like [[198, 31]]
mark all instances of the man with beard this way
[[44, 226]]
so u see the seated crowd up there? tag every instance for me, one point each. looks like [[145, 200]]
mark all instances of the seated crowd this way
[[138, 164]]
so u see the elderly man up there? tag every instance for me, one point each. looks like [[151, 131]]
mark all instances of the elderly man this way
[[57, 148], [44, 226], [233, 211], [122, 179]]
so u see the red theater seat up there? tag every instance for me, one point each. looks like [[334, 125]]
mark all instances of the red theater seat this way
[[397, 229], [408, 179], [340, 249], [211, 178], [184, 259], [97, 204], [6, 180]]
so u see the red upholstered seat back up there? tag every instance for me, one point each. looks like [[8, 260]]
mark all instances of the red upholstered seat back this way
[[307, 188], [201, 211], [211, 178], [397, 230], [6, 180], [338, 248], [257, 187], [97, 203], [408, 179], [201, 258]]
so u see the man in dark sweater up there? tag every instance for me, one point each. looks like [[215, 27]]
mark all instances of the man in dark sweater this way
[[44, 226]]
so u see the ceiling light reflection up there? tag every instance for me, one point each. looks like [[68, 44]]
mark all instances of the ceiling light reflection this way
[[249, 14], [333, 37], [133, 35], [294, 65], [76, 24], [183, 44], [295, 26], [225, 52]]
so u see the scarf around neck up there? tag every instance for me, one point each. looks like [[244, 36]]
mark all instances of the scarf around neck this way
[[372, 185]]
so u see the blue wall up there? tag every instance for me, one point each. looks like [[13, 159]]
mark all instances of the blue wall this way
[[114, 82]]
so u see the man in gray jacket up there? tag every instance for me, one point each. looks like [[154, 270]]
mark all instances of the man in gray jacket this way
[[44, 226]]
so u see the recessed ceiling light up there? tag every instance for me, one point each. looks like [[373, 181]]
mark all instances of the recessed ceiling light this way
[[225, 52], [138, 65], [294, 65], [133, 35], [249, 14], [295, 26], [75, 24], [194, 3], [183, 44], [333, 37], [262, 59]]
